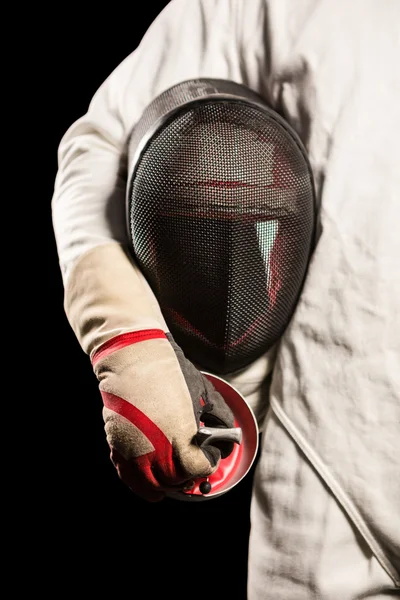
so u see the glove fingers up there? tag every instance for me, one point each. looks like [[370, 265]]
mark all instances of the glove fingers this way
[[140, 478], [158, 467], [213, 454], [140, 481]]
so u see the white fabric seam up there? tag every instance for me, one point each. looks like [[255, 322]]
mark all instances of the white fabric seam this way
[[336, 489]]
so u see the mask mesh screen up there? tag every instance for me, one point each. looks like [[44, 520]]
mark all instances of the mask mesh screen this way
[[221, 216]]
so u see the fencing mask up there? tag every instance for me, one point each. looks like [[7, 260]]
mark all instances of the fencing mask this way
[[221, 218]]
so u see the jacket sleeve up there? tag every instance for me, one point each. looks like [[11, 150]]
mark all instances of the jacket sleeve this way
[[200, 38]]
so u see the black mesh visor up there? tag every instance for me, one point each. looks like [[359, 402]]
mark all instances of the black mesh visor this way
[[221, 218]]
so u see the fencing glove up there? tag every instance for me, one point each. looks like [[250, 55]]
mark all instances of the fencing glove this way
[[154, 398]]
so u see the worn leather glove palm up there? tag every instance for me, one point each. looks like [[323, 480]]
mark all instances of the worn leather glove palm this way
[[154, 398]]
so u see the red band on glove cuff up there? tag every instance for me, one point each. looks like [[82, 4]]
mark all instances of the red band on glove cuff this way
[[126, 339]]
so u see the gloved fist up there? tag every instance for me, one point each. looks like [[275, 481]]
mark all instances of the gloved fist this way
[[154, 399], [154, 403]]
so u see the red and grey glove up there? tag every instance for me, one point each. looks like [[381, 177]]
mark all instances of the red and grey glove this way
[[154, 398]]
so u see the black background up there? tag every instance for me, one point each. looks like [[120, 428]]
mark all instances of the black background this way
[[104, 539]]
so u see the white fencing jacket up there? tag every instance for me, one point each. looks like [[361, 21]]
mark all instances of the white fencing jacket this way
[[331, 67]]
